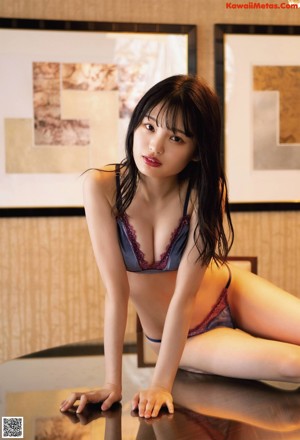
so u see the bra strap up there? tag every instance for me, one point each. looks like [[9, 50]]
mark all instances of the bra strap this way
[[187, 198]]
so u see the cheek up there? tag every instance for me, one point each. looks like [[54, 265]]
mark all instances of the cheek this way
[[137, 141], [184, 159], [186, 156], [179, 163], [192, 153], [134, 153], [134, 144], [137, 148]]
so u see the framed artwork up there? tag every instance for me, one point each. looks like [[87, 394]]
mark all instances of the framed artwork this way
[[257, 77], [67, 91]]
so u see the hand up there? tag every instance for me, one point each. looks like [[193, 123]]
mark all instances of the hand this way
[[107, 395], [149, 402]]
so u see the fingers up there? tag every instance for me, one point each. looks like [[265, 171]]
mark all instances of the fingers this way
[[83, 401], [68, 403], [152, 409], [149, 404], [108, 402], [170, 406], [106, 396], [83, 398]]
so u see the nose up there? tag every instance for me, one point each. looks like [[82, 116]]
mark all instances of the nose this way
[[156, 144]]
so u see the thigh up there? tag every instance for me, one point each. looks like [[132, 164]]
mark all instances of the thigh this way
[[234, 353], [263, 309]]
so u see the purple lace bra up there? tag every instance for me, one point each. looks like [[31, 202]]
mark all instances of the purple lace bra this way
[[134, 257]]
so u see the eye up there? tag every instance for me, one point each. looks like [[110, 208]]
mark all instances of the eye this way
[[149, 126], [176, 139]]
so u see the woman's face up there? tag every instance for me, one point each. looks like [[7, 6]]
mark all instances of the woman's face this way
[[159, 151]]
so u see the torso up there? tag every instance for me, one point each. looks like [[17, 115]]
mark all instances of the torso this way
[[153, 227], [157, 290]]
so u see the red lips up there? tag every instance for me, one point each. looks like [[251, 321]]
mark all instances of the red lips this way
[[151, 161]]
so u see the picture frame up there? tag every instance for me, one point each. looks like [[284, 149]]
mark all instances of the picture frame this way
[[68, 89], [260, 146], [146, 358]]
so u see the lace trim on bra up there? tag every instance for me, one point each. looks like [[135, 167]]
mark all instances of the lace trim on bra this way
[[162, 263]]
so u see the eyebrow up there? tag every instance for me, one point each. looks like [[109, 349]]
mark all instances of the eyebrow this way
[[175, 130]]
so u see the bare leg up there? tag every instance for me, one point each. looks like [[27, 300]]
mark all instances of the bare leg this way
[[234, 353], [267, 346], [262, 309]]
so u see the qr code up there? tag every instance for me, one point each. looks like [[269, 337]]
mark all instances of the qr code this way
[[12, 427]]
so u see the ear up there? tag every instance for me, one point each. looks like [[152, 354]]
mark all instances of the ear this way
[[196, 159]]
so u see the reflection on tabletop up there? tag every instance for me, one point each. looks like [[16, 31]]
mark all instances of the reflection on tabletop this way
[[206, 408]]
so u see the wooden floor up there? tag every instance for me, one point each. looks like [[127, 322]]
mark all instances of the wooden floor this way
[[206, 407]]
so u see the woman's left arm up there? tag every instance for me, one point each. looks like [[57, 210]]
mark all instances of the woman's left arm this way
[[176, 327]]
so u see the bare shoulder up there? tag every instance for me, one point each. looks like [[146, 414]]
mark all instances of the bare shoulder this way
[[100, 184]]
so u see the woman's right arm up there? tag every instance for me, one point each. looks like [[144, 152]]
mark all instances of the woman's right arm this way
[[99, 193]]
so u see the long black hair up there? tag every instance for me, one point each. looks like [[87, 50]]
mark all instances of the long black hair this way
[[198, 105]]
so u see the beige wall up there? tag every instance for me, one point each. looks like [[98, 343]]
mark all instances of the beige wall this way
[[48, 278]]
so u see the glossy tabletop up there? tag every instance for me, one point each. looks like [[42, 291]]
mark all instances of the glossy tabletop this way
[[206, 407]]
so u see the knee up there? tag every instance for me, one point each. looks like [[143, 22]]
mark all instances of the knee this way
[[290, 366]]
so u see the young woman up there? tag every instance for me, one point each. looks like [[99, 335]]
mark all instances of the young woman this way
[[161, 231]]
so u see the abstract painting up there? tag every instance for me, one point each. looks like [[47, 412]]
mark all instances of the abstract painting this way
[[258, 82], [68, 90]]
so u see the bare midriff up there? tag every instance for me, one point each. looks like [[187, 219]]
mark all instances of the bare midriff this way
[[151, 295]]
